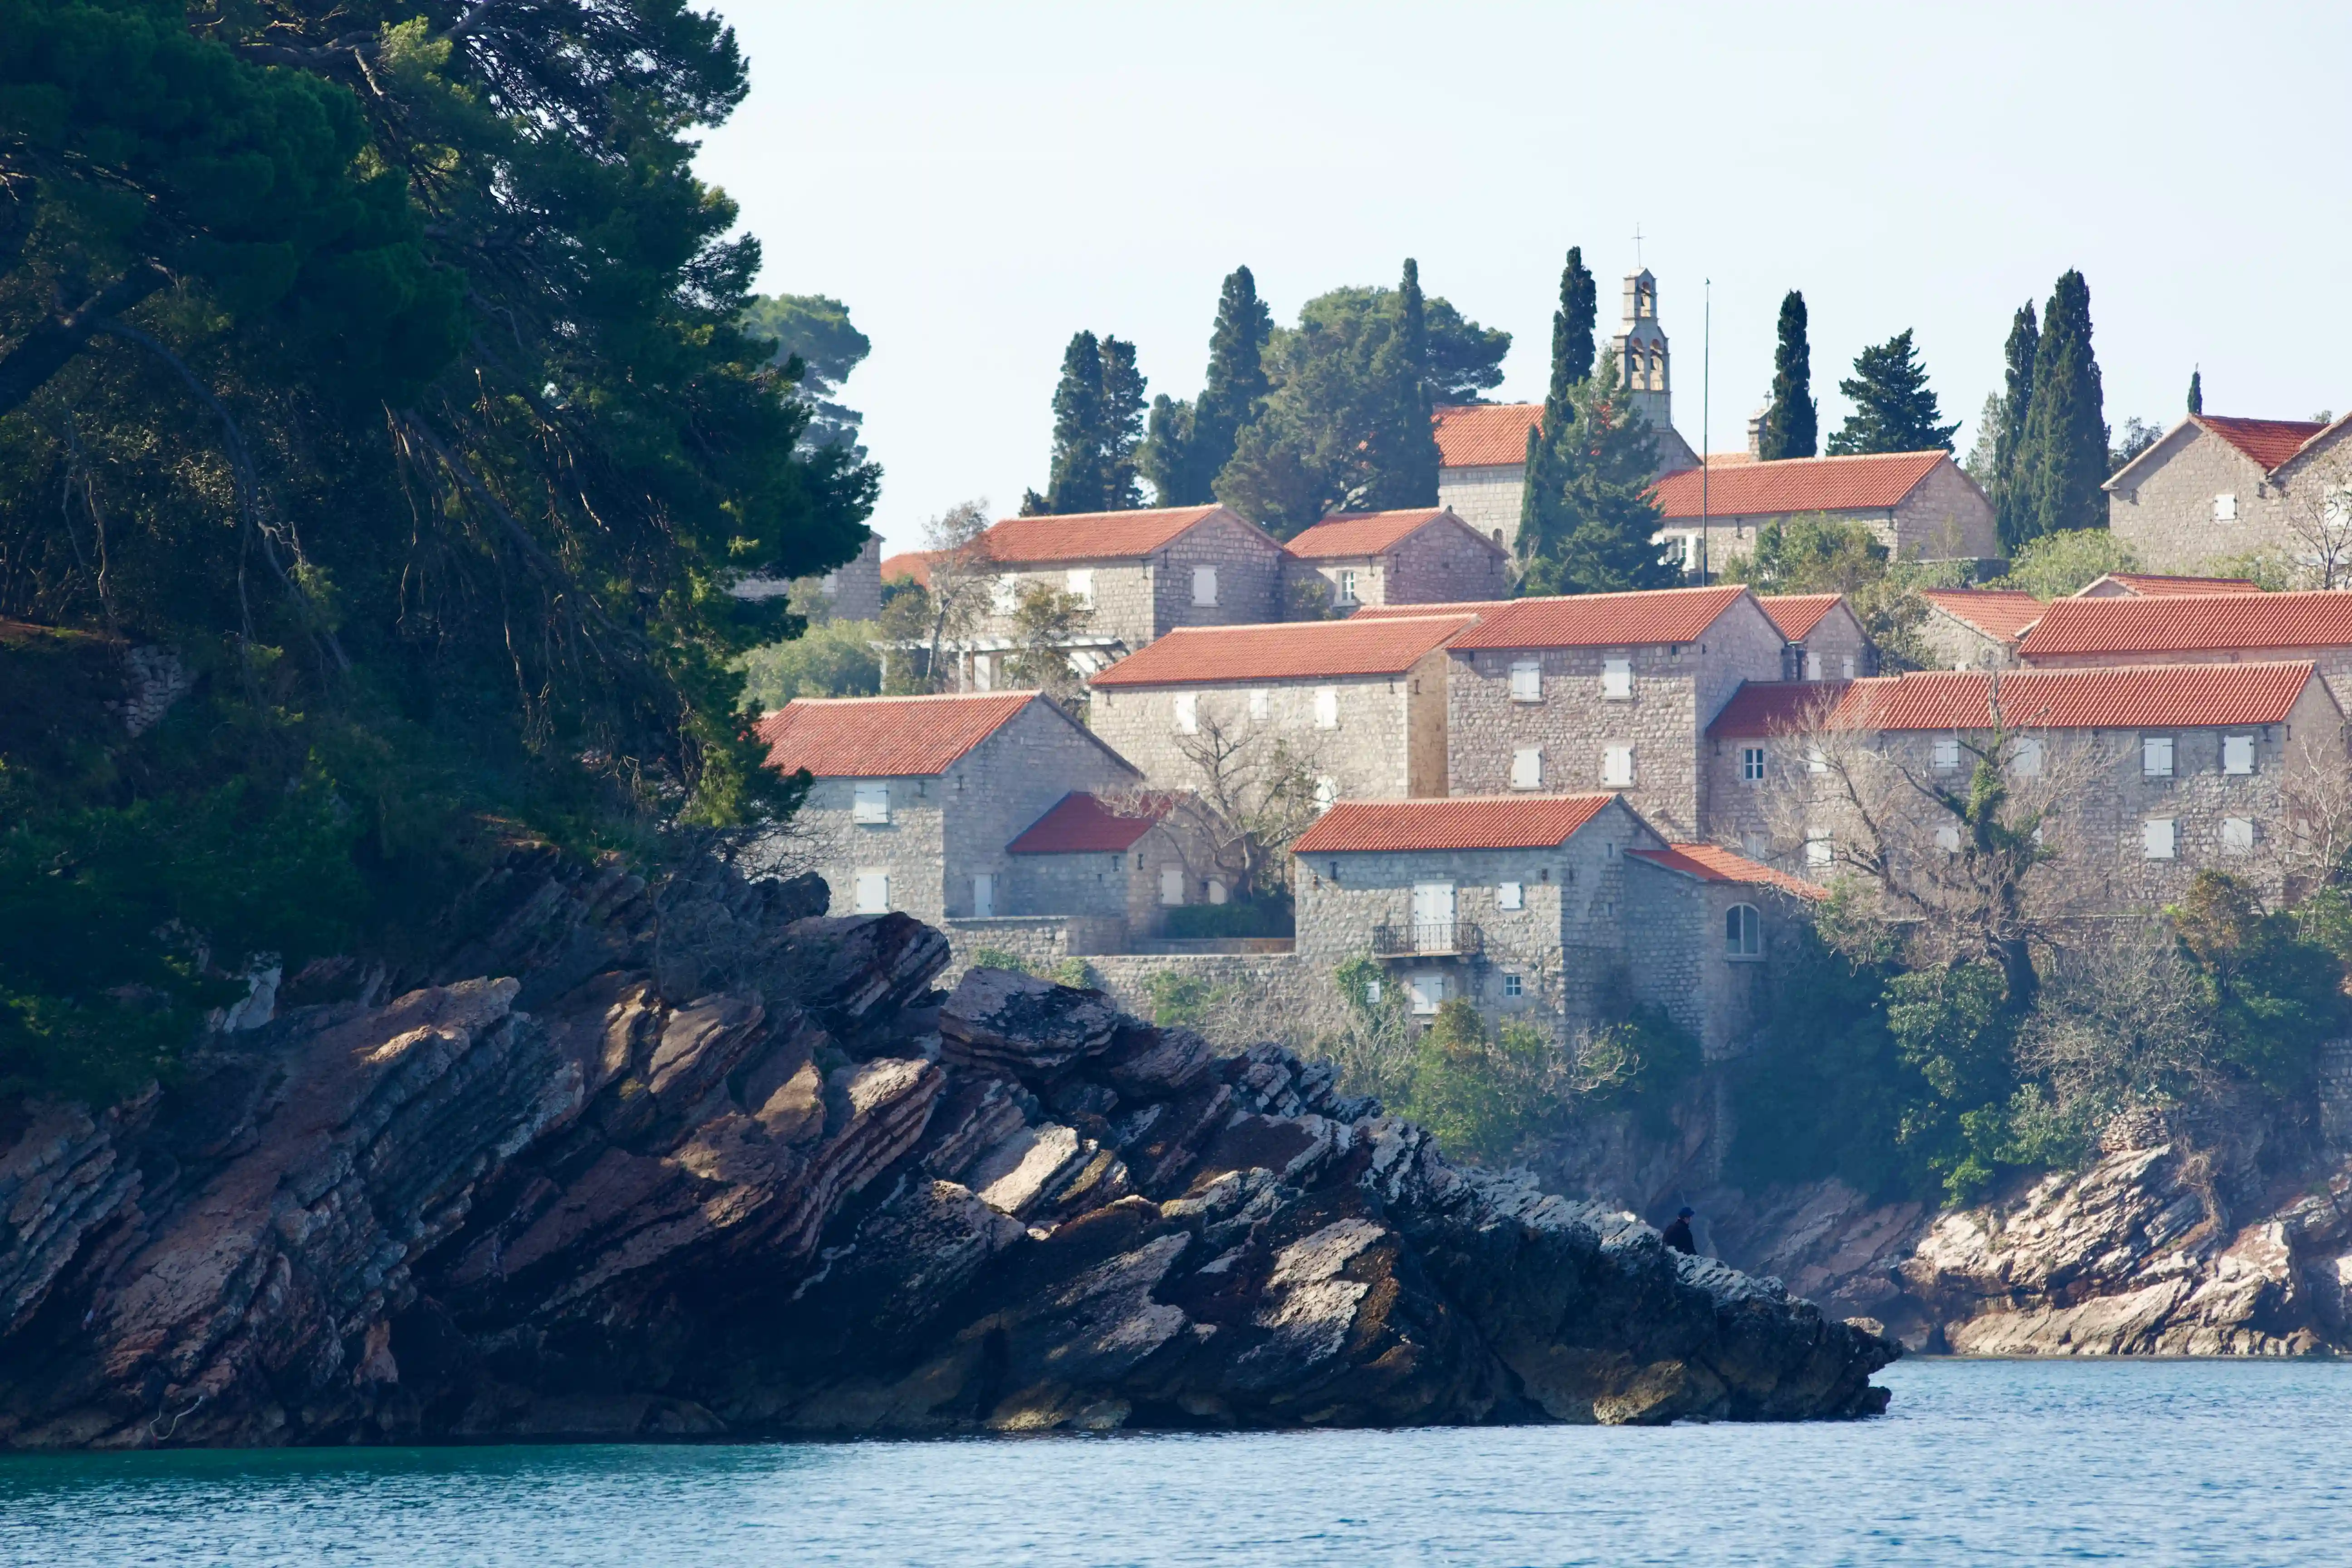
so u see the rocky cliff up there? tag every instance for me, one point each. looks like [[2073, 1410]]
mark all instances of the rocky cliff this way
[[626, 1165]]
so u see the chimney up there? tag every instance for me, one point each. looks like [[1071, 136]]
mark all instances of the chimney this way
[[1755, 432]]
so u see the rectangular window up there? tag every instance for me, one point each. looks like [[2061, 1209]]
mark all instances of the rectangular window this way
[[2026, 760], [1816, 760], [1326, 796], [1617, 766], [1947, 753], [1347, 594], [1171, 884], [1820, 851], [1813, 664], [2157, 838], [1512, 987], [1261, 703], [1751, 763], [1846, 667], [870, 803], [1948, 837], [983, 673], [2237, 834], [873, 892], [2225, 508], [1326, 706], [1372, 993], [2237, 754], [1004, 595], [983, 896], [1188, 713], [1204, 584], [1510, 896], [2156, 756], [1527, 681], [1617, 680], [1427, 991], [1527, 768], [1082, 584]]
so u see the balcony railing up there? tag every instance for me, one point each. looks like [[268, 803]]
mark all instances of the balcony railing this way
[[1428, 939]]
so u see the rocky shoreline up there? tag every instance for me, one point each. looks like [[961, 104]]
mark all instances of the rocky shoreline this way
[[706, 1162]]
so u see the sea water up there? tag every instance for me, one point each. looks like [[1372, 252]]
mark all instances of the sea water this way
[[1975, 1463]]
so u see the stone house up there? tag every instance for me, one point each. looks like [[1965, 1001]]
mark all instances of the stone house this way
[[2150, 585], [913, 800], [1424, 556], [1120, 860], [2198, 629], [1825, 638], [2149, 774], [1360, 704], [1143, 573], [1608, 691], [1920, 505], [1482, 454], [1976, 629], [1553, 911], [2214, 487]]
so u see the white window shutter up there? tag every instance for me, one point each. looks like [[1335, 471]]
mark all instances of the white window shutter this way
[[1326, 706], [1617, 679], [1188, 713], [870, 803], [1171, 884], [1510, 896], [873, 889], [2237, 834], [1527, 768], [2238, 754], [1527, 681], [1204, 584], [1261, 702], [2157, 838], [1617, 766]]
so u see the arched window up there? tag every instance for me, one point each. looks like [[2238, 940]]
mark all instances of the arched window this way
[[1742, 937], [1657, 368]]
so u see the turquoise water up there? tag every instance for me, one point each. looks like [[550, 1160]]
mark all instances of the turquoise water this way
[[1982, 1462]]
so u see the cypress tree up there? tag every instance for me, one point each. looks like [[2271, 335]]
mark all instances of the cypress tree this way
[[1404, 460], [1166, 458], [1571, 366], [2017, 404], [1237, 383], [2062, 460], [1097, 423], [1895, 410], [1121, 431], [1571, 329], [2197, 391], [1792, 424]]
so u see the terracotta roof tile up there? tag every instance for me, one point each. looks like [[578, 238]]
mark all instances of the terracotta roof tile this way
[[1714, 863], [2269, 442], [1464, 821], [1092, 535], [1798, 484], [1352, 533], [884, 737], [2147, 585], [1451, 607], [1082, 824], [2135, 696], [2192, 623], [910, 563], [1294, 650], [1603, 620], [1797, 614], [1485, 435], [2002, 613]]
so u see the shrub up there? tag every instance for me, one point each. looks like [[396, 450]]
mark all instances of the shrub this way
[[836, 659], [1242, 918]]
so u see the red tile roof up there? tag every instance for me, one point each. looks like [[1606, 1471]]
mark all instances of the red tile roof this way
[[1349, 533], [2269, 442], [1090, 536], [2135, 696], [1798, 484], [1464, 821], [1797, 614], [1082, 824], [912, 563], [2196, 623], [884, 737], [1713, 863], [2147, 585], [1603, 620], [1451, 607], [1294, 650], [2002, 613], [1485, 435]]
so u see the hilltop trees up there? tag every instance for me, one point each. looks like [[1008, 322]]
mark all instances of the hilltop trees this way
[[2017, 399], [2061, 459], [1792, 423], [1190, 443], [1894, 411], [1592, 527], [1097, 427], [1541, 496], [814, 330]]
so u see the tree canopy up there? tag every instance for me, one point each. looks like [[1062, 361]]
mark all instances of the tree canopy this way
[[814, 330], [2061, 450], [1893, 408], [1098, 429], [1792, 421], [1593, 527], [1189, 443]]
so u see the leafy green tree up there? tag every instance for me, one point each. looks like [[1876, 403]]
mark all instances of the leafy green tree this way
[[2197, 391], [2057, 565], [2061, 461], [1791, 422], [1812, 553], [814, 330], [2277, 992], [1482, 1096], [1046, 620], [2137, 436], [835, 659], [2009, 500], [1346, 426], [1189, 444], [1595, 522], [1895, 410], [1098, 414]]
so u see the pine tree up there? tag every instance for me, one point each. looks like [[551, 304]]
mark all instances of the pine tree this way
[[2061, 461], [1097, 423], [2008, 505], [1895, 410], [1189, 443], [1121, 429], [1571, 366], [1166, 459], [1595, 528], [2197, 391], [1793, 422]]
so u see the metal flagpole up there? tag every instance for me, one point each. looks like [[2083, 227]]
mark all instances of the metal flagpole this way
[[1705, 405]]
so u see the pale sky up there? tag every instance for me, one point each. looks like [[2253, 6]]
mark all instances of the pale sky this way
[[977, 183]]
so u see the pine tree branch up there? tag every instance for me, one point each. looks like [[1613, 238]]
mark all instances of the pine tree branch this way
[[52, 346]]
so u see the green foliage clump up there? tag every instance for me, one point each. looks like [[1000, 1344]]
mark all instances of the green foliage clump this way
[[1588, 522], [835, 659], [1792, 420], [1481, 1095], [1098, 429], [2054, 566], [2276, 992], [1893, 408], [1266, 917], [1188, 444], [1813, 553], [1178, 998]]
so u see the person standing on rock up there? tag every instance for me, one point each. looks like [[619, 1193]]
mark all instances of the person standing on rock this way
[[1678, 1234]]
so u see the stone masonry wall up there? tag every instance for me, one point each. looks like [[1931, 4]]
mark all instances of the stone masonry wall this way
[[1945, 517], [1249, 578], [1488, 498], [1443, 564], [1838, 647], [1676, 957], [997, 789], [1959, 646], [1122, 594], [2166, 519], [1367, 756], [908, 848]]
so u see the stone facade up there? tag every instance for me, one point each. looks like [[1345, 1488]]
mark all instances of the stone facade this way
[[1834, 648], [1960, 644], [1487, 498], [1131, 890], [1680, 962], [1386, 739], [1945, 517], [1445, 561], [1675, 691], [2195, 497]]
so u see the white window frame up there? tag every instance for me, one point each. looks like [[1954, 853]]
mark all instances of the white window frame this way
[[2159, 839], [2237, 835], [1205, 586], [870, 890], [2156, 754], [1751, 765], [1171, 885], [1082, 584], [1743, 934], [1188, 713], [1946, 755], [1326, 706], [1345, 592], [1527, 681], [1261, 703], [1617, 766], [1527, 767], [869, 805], [1617, 680], [1511, 896], [2237, 755]]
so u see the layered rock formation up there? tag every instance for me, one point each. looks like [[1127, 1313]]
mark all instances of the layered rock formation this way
[[622, 1165]]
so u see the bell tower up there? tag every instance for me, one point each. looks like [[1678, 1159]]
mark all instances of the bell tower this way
[[1643, 368]]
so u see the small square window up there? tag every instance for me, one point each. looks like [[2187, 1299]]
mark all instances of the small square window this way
[[870, 803], [1526, 681], [873, 891], [1512, 986], [1947, 753], [1527, 768], [1617, 767], [1820, 851], [1326, 706], [1204, 584], [2158, 838], [1188, 713], [1617, 680], [2237, 834], [1510, 896], [2237, 754], [2156, 756], [2225, 508], [1751, 763]]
